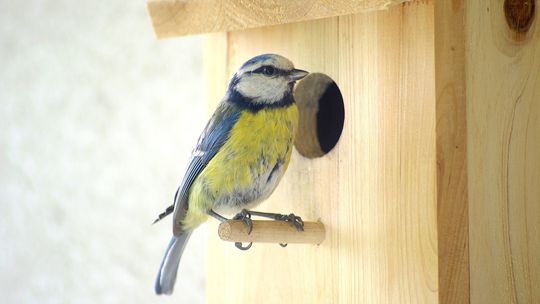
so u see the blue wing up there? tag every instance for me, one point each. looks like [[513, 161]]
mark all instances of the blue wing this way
[[211, 140]]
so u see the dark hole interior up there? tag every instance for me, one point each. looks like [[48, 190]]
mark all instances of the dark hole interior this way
[[330, 117]]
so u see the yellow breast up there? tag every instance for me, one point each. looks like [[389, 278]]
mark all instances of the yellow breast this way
[[257, 142]]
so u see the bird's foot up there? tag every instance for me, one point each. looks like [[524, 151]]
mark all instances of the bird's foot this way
[[296, 221], [244, 216]]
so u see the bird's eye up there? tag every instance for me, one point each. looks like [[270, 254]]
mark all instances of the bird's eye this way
[[268, 70]]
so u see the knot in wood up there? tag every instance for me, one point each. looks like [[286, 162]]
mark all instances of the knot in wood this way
[[519, 14]]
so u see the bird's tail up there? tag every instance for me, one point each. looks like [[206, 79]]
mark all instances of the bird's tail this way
[[169, 266]]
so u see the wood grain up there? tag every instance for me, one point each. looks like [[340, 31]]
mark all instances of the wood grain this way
[[215, 68], [375, 192], [271, 232], [452, 204], [503, 121], [183, 17]]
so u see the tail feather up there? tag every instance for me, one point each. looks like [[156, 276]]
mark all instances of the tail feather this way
[[163, 214], [169, 266]]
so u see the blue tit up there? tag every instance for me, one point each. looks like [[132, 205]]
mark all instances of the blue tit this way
[[241, 155]]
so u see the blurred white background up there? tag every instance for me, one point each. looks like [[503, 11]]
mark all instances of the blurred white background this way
[[97, 119]]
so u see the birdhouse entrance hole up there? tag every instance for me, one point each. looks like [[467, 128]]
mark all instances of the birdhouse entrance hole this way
[[322, 112]]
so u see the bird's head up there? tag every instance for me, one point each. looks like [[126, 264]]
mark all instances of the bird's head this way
[[266, 79]]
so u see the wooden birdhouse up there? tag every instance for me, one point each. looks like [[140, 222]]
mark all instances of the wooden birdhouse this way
[[418, 150]]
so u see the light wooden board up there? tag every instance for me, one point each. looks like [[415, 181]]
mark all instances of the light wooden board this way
[[215, 67], [375, 192], [503, 122], [182, 17], [452, 207]]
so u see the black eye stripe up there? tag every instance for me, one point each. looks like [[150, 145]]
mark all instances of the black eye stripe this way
[[277, 72]]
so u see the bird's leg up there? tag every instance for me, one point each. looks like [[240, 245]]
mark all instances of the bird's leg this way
[[296, 221], [222, 219], [217, 216]]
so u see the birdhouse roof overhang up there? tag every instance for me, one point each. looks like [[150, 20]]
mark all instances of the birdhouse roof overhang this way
[[172, 18]]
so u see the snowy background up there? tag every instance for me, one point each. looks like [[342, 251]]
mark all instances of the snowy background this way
[[97, 119]]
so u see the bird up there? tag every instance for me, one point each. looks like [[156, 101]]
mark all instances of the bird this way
[[240, 157]]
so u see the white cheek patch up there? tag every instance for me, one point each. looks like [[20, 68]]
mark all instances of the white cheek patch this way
[[263, 89]]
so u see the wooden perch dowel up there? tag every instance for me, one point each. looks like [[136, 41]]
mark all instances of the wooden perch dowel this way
[[271, 232]]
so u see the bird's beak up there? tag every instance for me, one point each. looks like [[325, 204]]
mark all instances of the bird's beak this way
[[297, 74]]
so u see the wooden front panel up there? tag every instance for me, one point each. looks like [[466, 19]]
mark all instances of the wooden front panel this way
[[375, 192], [503, 121], [452, 196]]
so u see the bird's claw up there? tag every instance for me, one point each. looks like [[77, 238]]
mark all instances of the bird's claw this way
[[245, 217], [241, 247], [296, 221]]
